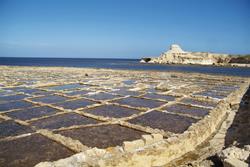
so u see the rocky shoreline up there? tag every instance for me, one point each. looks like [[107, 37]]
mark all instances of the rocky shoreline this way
[[101, 117], [175, 55], [228, 147]]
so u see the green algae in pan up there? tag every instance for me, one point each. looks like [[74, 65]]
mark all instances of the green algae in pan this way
[[102, 96], [159, 96], [35, 112], [103, 136], [63, 120], [30, 150], [14, 105], [112, 111], [167, 122], [186, 109], [50, 99], [139, 102], [204, 103], [75, 104], [11, 128]]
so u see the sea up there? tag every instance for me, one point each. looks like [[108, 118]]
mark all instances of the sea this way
[[125, 64]]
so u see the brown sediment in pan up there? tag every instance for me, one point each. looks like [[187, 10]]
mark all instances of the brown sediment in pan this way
[[112, 110]]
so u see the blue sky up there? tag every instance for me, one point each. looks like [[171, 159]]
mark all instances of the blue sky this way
[[122, 28]]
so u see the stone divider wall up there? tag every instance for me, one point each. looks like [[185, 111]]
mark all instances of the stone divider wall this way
[[153, 150]]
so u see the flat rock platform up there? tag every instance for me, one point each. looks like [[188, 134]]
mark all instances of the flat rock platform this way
[[108, 116]]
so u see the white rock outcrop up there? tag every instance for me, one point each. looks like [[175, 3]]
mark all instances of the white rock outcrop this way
[[174, 48], [175, 55], [235, 157]]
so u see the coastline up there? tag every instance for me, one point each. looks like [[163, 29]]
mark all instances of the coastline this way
[[157, 144], [176, 68], [213, 65], [175, 55]]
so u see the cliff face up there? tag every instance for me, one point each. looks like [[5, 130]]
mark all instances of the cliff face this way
[[240, 60], [175, 55]]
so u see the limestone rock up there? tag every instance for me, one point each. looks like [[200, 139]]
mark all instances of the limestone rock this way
[[235, 152], [235, 157], [175, 55], [157, 137], [139, 87], [77, 160], [164, 86], [233, 162], [148, 139], [130, 146], [247, 147], [174, 48]]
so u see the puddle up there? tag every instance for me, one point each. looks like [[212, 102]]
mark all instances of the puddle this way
[[64, 120], [10, 128], [66, 87], [112, 111], [220, 92], [138, 102], [211, 94], [30, 150], [226, 88], [183, 91], [126, 92], [35, 92], [6, 93], [12, 98], [159, 96], [152, 90], [15, 89], [199, 102], [14, 105], [164, 121], [129, 82], [102, 96], [186, 109], [30, 113], [103, 136], [74, 104], [78, 93], [50, 99]]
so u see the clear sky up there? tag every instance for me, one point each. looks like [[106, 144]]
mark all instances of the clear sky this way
[[122, 28]]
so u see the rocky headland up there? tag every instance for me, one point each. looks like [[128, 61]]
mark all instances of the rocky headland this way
[[175, 55]]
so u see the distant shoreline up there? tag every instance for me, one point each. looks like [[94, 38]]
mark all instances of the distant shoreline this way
[[175, 55], [124, 64], [216, 65]]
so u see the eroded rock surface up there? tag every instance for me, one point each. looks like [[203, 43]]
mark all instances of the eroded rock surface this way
[[70, 111], [234, 156], [175, 55]]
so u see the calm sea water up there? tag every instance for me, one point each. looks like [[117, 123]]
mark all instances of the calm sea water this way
[[128, 64]]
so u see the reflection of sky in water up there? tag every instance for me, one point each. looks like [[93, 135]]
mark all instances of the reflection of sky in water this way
[[129, 64]]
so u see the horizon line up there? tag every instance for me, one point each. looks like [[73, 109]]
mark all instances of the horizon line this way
[[68, 57]]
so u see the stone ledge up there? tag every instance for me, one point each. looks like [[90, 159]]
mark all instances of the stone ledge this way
[[168, 149]]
